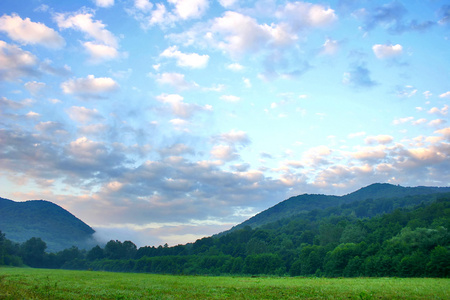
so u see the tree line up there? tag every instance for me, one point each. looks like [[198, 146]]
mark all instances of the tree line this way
[[366, 238]]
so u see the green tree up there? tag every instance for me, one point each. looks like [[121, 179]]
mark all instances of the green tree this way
[[439, 264], [95, 253], [33, 252]]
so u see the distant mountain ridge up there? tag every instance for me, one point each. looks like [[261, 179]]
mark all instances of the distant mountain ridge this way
[[309, 202], [57, 227]]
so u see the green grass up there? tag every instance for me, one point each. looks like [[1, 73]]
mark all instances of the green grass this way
[[26, 283]]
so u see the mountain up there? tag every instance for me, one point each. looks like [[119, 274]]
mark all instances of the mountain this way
[[309, 202], [57, 227]]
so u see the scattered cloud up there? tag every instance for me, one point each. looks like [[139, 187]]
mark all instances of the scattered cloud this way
[[230, 98], [82, 114], [379, 139], [445, 95], [387, 51], [16, 63], [89, 87], [104, 3], [26, 32], [191, 60], [359, 76], [104, 45], [179, 108], [176, 80]]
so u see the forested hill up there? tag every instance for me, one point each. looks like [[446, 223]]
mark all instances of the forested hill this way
[[404, 235], [56, 226], [309, 202]]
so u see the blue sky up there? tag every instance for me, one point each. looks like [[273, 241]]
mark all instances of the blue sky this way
[[168, 121]]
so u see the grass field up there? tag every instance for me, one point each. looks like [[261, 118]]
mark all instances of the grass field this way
[[25, 283]]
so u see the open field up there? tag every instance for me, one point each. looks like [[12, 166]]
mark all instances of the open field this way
[[26, 283]]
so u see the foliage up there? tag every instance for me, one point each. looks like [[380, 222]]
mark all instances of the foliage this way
[[404, 237], [21, 221]]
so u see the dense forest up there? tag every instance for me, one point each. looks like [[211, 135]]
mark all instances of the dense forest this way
[[403, 236]]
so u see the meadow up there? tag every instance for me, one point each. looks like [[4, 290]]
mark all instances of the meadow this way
[[28, 283]]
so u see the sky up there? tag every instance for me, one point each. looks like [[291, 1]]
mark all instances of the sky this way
[[167, 121]]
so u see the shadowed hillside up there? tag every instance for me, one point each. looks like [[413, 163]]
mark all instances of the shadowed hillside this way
[[309, 202], [56, 226]]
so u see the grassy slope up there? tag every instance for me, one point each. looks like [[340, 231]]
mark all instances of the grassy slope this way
[[20, 283]]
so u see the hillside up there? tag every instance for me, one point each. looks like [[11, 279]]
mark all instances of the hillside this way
[[60, 229], [309, 202]]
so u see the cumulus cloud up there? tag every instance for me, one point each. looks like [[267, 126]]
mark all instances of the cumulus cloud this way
[[190, 9], [89, 87], [191, 60], [235, 67], [176, 80], [179, 108], [445, 95], [144, 5], [387, 51], [34, 87], [227, 3], [159, 14], [16, 63], [82, 114], [330, 47], [104, 3], [27, 32], [224, 152], [379, 139], [241, 34], [104, 45], [100, 52], [301, 15], [234, 137], [443, 111]]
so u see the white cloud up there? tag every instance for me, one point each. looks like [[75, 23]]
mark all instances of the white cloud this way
[[90, 86], [428, 94], [34, 87], [379, 139], [234, 137], [445, 95], [247, 82], [230, 98], [175, 79], [100, 52], [104, 3], [356, 134], [92, 28], [191, 60], [330, 47], [235, 67], [224, 152], [82, 114], [144, 5], [402, 120], [227, 3], [27, 32], [189, 9], [105, 44], [436, 122], [443, 111], [179, 108], [302, 15], [15, 62], [387, 51], [242, 34]]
